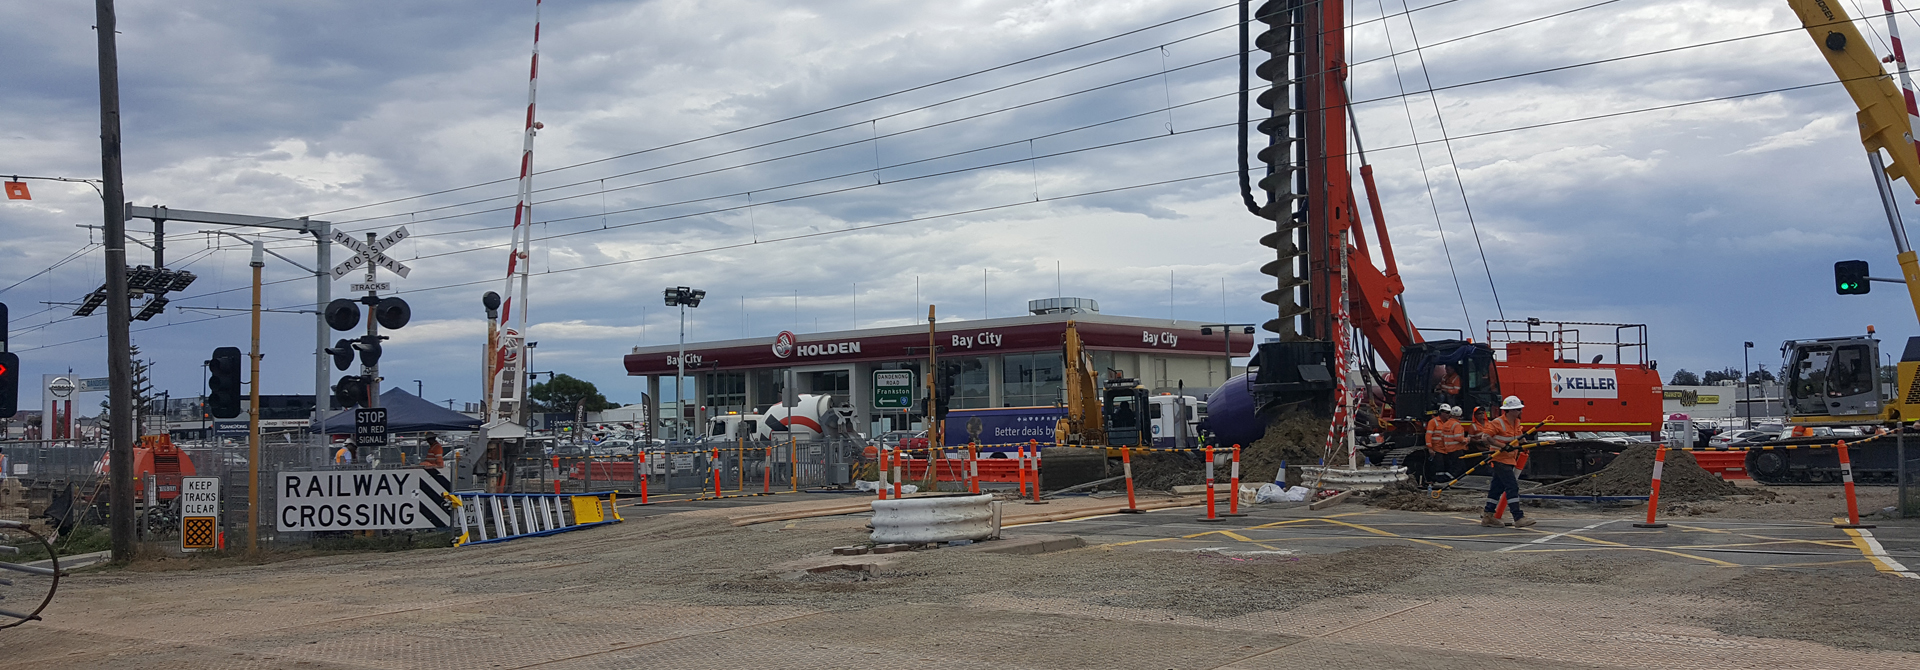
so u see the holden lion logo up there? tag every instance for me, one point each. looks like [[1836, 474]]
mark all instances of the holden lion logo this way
[[783, 344]]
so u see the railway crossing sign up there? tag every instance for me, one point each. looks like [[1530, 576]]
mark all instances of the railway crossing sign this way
[[364, 253], [414, 498], [199, 512]]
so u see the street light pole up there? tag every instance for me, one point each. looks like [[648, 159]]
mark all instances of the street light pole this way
[[1746, 387], [682, 297], [680, 377], [1226, 340]]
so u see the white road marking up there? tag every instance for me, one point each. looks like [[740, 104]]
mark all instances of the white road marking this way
[[1878, 554], [1554, 536]]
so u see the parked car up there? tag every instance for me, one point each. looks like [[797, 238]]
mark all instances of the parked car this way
[[1738, 438], [1610, 436]]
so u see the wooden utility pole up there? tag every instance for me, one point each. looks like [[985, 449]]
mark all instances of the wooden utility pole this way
[[119, 313], [935, 439], [253, 410]]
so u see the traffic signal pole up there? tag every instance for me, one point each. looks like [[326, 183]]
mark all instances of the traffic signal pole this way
[[253, 410], [119, 313]]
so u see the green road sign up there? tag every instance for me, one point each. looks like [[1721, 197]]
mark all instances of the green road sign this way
[[892, 389]]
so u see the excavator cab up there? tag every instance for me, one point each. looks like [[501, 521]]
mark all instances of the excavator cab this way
[[1127, 414], [1454, 372], [1834, 379]]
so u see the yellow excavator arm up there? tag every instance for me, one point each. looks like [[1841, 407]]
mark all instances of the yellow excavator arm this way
[[1883, 117], [1083, 423]]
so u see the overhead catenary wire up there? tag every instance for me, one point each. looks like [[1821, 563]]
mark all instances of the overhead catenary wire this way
[[803, 115], [736, 245], [1427, 91], [854, 124], [1426, 182], [1594, 117], [1607, 115], [1459, 179]]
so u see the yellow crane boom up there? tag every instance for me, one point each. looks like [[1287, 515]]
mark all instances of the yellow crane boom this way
[[1884, 117]]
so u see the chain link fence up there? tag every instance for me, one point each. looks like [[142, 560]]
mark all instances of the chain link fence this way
[[739, 467]]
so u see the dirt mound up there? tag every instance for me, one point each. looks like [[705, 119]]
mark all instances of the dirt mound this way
[[1295, 438], [1406, 496], [1631, 474]]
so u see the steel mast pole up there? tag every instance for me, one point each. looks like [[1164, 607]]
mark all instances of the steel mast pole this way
[[119, 316], [680, 377]]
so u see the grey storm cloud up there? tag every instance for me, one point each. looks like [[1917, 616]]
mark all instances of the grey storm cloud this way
[[1714, 223]]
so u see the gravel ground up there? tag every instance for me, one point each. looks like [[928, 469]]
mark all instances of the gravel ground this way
[[701, 561]]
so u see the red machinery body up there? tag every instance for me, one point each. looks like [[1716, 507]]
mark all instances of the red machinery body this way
[[1578, 395], [156, 456]]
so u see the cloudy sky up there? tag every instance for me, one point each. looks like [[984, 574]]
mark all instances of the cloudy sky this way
[[672, 156]]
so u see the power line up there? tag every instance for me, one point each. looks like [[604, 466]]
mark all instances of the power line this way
[[850, 125], [737, 245], [70, 257], [1485, 263], [804, 115], [1433, 204]]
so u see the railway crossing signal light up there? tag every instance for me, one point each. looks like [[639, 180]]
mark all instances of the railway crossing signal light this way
[[1850, 278], [369, 348], [392, 313], [350, 392], [342, 352], [343, 314], [223, 382]]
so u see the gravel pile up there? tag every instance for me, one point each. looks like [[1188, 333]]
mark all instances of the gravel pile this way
[[1631, 474]]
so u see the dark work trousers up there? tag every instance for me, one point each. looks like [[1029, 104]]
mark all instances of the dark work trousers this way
[[1506, 481], [1443, 468]]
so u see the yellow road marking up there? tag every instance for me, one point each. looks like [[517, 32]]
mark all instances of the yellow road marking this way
[[1871, 549], [1128, 542], [1720, 563], [1377, 531], [1818, 564], [1842, 545], [1714, 561]]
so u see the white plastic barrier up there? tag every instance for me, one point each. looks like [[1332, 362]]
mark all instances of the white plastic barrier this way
[[933, 519]]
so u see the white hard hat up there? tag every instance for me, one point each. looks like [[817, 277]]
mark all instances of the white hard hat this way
[[1456, 410], [1512, 402], [1446, 408]]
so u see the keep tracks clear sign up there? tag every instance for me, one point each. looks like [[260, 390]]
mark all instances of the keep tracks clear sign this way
[[362, 500]]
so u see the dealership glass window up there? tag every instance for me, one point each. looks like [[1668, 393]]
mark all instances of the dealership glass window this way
[[766, 387], [1102, 362], [724, 392], [1031, 380], [836, 383], [965, 382]]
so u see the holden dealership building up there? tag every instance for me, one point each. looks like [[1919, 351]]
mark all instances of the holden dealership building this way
[[1001, 362]]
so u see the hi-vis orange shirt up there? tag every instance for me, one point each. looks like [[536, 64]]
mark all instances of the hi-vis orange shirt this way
[[1504, 432], [1445, 435]]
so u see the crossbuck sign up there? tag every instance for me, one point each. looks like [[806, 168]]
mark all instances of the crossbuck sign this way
[[364, 254]]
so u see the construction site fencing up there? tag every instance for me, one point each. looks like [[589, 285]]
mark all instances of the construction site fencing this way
[[48, 470], [736, 467]]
